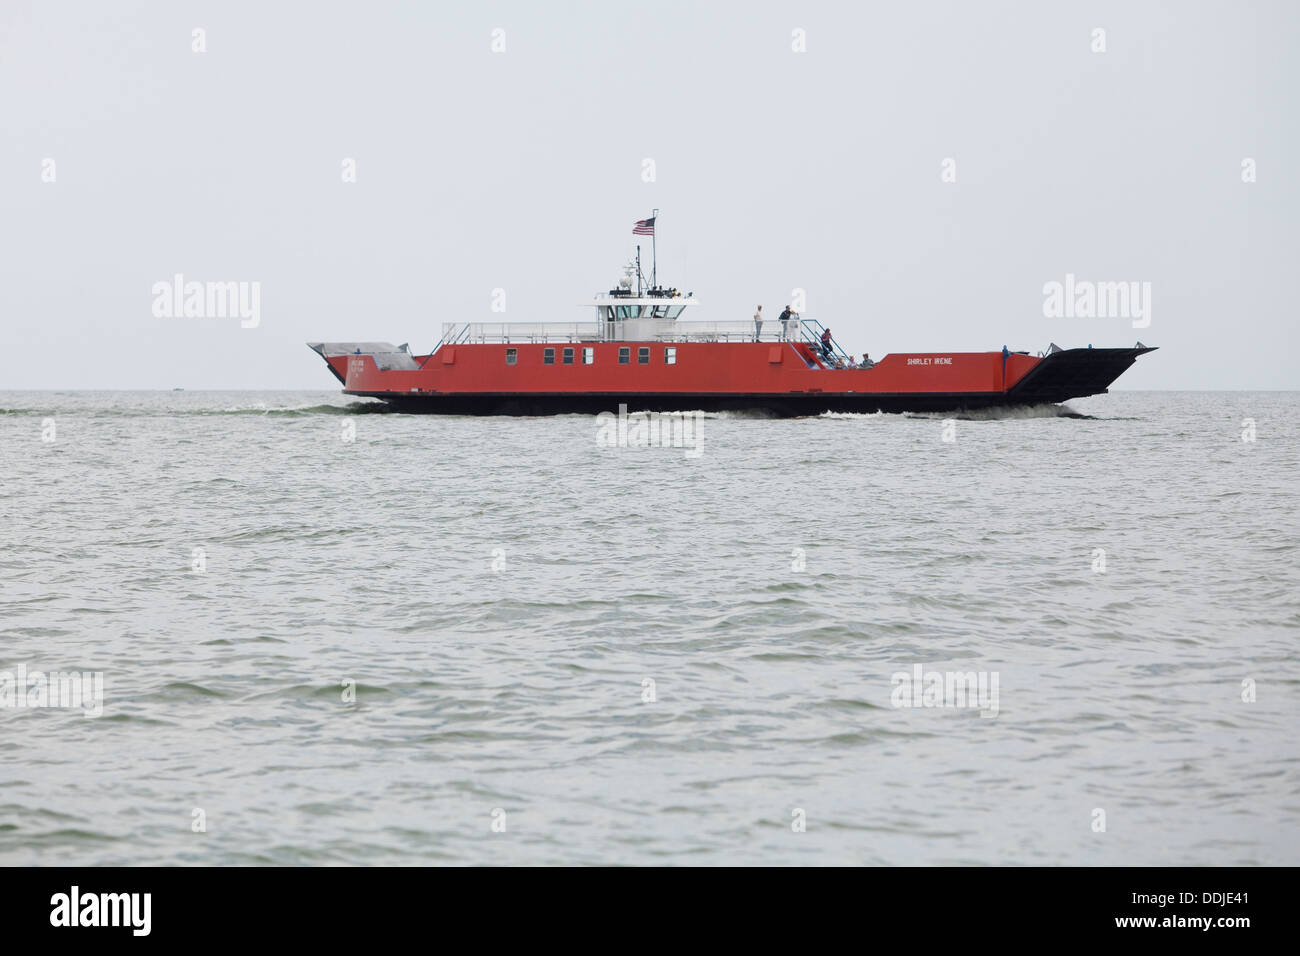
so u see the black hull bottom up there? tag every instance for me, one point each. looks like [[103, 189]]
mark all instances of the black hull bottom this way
[[783, 406], [1072, 373]]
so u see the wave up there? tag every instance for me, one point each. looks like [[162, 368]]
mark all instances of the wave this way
[[171, 411]]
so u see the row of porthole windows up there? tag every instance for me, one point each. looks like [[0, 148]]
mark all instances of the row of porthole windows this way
[[568, 356]]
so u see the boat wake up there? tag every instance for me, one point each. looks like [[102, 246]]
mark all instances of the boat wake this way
[[1007, 413], [999, 413], [291, 411]]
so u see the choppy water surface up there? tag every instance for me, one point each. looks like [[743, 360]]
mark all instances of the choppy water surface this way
[[501, 591]]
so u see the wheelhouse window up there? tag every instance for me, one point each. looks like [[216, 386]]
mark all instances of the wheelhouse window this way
[[588, 356], [670, 355], [667, 311], [568, 356], [627, 311], [548, 357], [624, 355], [643, 356], [512, 356]]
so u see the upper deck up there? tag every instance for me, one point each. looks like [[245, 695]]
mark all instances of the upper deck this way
[[625, 314], [615, 330]]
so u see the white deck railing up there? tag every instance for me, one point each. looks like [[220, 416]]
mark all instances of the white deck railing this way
[[626, 330]]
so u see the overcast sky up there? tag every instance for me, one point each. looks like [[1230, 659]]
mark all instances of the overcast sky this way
[[523, 170]]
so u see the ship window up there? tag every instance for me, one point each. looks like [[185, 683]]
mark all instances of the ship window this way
[[512, 356], [670, 355], [588, 356], [568, 356], [624, 355], [661, 312], [643, 356], [548, 357], [628, 311], [675, 310]]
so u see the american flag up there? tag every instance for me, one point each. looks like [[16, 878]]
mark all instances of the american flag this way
[[644, 227]]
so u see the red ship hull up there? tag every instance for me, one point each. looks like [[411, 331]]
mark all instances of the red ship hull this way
[[782, 378]]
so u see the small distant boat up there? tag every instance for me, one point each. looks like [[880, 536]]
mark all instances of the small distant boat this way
[[638, 351]]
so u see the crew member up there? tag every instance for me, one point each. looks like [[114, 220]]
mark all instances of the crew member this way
[[786, 316]]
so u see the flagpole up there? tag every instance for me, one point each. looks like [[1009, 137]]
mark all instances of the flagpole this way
[[654, 251]]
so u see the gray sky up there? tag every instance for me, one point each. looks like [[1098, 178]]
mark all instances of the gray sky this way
[[523, 170]]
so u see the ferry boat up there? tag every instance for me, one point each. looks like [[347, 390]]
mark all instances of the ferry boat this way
[[641, 350]]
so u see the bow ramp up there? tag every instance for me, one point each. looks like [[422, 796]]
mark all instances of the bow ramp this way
[[387, 356], [1073, 373]]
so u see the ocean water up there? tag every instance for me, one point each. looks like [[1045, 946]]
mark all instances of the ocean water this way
[[332, 635]]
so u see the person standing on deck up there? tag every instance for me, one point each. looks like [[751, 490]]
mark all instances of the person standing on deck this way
[[758, 323], [826, 342], [786, 316]]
